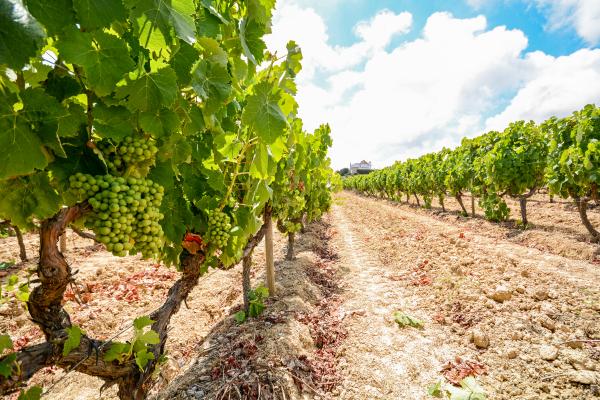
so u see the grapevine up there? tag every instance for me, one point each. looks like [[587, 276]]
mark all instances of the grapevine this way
[[145, 122], [561, 154]]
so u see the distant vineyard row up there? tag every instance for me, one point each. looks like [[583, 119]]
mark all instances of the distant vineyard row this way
[[562, 154]]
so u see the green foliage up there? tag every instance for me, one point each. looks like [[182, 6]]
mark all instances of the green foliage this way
[[145, 109], [8, 363], [574, 153], [33, 393], [73, 339], [494, 207], [403, 320], [20, 290], [516, 163], [139, 348], [6, 264], [256, 299], [469, 389]]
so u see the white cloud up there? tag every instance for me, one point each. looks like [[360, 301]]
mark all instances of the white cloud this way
[[477, 4], [583, 15], [378, 32], [557, 87], [388, 104], [308, 29]]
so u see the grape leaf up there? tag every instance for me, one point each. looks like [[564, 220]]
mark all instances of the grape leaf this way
[[103, 57], [262, 113], [160, 122], [20, 34], [154, 20], [117, 352], [7, 364], [177, 149], [5, 343], [212, 83], [182, 63], [33, 393], [22, 199], [21, 150], [151, 91], [112, 122], [99, 13], [73, 339], [142, 358], [150, 337], [43, 112], [251, 34], [142, 322], [207, 24], [55, 15], [175, 206], [259, 168], [261, 10]]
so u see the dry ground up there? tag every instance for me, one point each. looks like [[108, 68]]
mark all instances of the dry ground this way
[[329, 331]]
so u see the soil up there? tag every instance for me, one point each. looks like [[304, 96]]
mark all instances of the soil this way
[[518, 309]]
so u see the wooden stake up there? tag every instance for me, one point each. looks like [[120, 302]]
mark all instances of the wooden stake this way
[[269, 255]]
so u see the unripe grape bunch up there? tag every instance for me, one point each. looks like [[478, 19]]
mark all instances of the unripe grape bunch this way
[[219, 226], [136, 152], [126, 212]]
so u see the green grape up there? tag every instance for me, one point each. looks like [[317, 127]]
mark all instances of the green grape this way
[[217, 232], [122, 223]]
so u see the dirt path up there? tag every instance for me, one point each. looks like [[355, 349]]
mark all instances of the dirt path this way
[[381, 363], [398, 259]]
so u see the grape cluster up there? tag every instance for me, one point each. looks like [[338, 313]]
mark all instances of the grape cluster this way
[[126, 212], [131, 152], [219, 226]]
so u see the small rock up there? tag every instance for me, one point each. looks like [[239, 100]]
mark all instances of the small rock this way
[[480, 339], [584, 377], [525, 273], [548, 324], [575, 344], [511, 354], [548, 353], [541, 295], [21, 320], [501, 294], [516, 336], [520, 289]]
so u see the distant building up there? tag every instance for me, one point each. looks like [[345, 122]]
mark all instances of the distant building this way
[[363, 167]]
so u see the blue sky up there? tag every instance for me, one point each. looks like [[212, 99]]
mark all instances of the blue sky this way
[[398, 78], [513, 14]]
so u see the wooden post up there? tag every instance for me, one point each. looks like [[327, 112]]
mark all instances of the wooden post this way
[[472, 205], [269, 254]]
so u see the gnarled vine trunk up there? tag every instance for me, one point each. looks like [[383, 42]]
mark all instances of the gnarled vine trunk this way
[[582, 207], [417, 199], [22, 250], [472, 205], [458, 198], [290, 246], [88, 358], [523, 206]]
